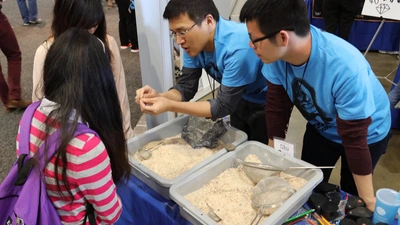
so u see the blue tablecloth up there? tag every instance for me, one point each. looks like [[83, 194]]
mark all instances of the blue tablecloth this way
[[143, 206], [362, 31]]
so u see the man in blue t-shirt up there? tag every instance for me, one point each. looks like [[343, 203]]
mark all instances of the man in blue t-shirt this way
[[331, 84], [220, 47]]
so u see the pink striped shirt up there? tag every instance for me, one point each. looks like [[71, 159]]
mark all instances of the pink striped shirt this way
[[88, 172]]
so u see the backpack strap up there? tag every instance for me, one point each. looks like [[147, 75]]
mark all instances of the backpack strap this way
[[24, 133], [53, 143], [52, 140], [89, 214]]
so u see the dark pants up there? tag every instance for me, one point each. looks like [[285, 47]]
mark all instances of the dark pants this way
[[250, 118], [9, 46], [320, 151], [127, 24], [340, 13]]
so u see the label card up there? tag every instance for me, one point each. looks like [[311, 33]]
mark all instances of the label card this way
[[285, 147]]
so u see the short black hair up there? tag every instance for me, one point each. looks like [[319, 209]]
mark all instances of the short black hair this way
[[195, 9], [275, 15]]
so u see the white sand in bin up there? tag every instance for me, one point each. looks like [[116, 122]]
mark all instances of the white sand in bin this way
[[171, 160], [229, 194]]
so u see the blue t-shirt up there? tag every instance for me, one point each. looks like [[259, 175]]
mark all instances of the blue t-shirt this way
[[338, 81], [233, 63]]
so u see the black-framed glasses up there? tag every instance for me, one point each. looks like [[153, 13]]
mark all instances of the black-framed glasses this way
[[183, 33], [270, 35]]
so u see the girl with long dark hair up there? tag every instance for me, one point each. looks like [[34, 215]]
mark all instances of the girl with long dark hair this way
[[79, 87]]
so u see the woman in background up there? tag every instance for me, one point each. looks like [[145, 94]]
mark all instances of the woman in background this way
[[88, 15]]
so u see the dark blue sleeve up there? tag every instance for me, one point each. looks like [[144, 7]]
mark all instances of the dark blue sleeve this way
[[394, 96], [188, 83]]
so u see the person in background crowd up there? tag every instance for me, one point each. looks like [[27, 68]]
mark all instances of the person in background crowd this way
[[10, 94], [88, 15], [79, 87], [29, 12], [340, 14], [394, 97], [127, 25], [221, 48], [332, 85]]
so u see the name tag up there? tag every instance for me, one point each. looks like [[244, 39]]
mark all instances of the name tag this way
[[285, 147]]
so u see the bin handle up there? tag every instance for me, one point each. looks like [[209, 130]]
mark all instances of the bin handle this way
[[192, 215], [142, 172]]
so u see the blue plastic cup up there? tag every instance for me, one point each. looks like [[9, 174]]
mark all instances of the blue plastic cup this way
[[386, 206]]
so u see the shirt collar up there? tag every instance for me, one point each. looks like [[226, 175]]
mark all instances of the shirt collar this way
[[47, 106]]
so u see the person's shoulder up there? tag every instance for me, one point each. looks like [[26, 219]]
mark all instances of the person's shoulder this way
[[231, 35], [112, 44], [337, 50], [111, 41], [45, 46], [332, 44], [231, 29], [86, 142], [110, 38]]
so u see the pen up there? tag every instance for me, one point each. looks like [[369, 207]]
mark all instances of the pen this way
[[310, 221], [325, 221], [294, 221], [321, 220], [299, 216]]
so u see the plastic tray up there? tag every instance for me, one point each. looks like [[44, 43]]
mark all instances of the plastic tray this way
[[267, 155], [165, 130]]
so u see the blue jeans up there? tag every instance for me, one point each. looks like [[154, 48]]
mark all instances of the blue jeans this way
[[28, 14]]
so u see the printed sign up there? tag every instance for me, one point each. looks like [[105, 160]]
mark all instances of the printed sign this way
[[388, 9]]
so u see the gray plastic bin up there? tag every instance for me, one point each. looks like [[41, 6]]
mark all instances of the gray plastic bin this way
[[267, 155], [165, 130]]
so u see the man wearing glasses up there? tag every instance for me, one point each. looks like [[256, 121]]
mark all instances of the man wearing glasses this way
[[331, 84], [220, 47]]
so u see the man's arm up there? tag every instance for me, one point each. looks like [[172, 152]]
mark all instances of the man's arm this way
[[354, 139], [184, 90], [278, 110], [223, 105], [172, 94], [187, 85]]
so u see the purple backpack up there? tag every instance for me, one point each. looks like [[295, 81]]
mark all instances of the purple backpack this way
[[23, 196]]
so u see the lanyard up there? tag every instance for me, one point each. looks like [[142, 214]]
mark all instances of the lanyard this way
[[301, 81]]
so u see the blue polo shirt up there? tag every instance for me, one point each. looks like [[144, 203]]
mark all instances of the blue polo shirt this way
[[233, 63]]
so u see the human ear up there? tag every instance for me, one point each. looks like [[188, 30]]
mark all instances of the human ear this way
[[282, 38], [210, 22]]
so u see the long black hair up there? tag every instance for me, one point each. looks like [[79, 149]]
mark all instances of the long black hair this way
[[83, 14], [78, 77]]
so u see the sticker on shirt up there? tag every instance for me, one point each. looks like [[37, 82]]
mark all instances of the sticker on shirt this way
[[304, 97], [285, 147]]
